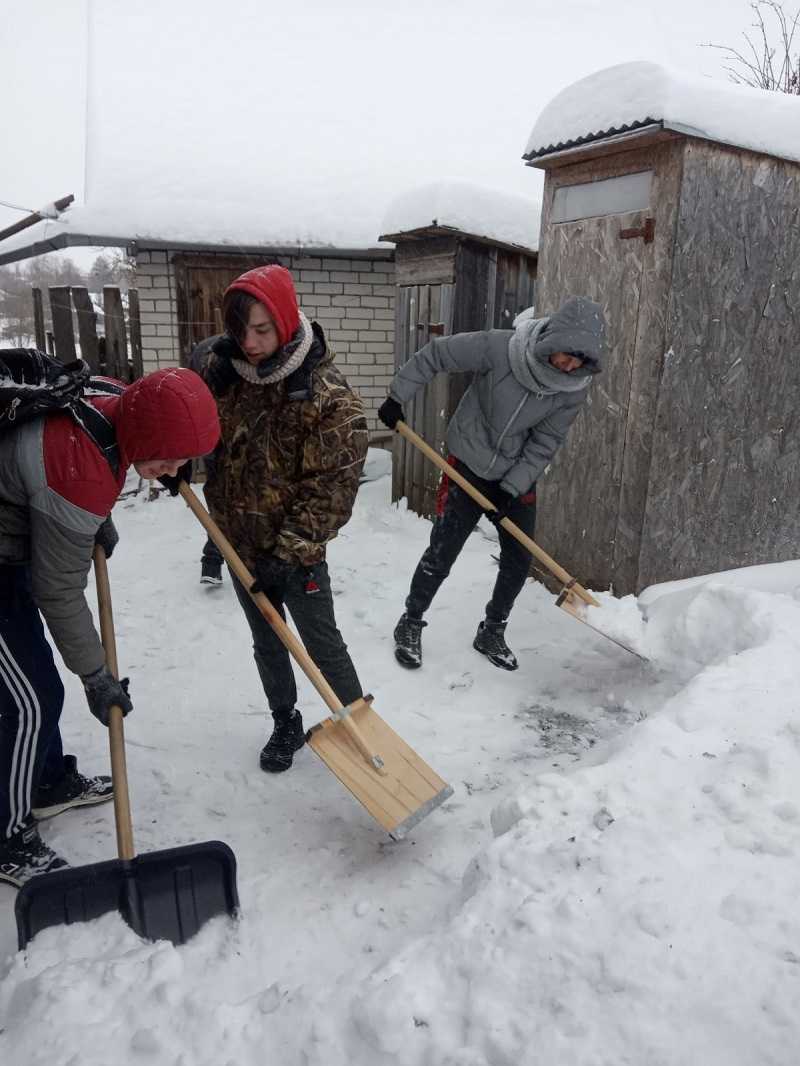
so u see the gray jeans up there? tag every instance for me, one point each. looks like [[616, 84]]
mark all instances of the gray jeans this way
[[308, 597]]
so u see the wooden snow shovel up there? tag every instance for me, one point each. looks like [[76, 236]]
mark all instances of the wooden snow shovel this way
[[573, 598], [162, 895], [370, 759]]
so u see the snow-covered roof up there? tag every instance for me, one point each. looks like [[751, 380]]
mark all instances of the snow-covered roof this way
[[465, 208], [634, 95], [233, 227]]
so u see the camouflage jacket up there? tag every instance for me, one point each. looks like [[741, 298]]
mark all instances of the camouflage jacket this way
[[286, 471]]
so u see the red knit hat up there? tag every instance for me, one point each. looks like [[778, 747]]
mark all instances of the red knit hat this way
[[273, 287], [169, 414]]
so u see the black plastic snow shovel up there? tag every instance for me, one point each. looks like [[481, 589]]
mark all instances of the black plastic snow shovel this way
[[162, 895]]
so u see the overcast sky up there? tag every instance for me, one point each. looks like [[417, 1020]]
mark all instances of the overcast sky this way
[[309, 104]]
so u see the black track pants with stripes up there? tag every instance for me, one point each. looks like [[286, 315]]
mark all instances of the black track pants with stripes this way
[[31, 698]]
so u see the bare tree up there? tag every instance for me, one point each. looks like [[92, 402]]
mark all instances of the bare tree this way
[[771, 59]]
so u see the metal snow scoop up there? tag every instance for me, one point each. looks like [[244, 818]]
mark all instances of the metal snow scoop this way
[[162, 895], [383, 773], [573, 598]]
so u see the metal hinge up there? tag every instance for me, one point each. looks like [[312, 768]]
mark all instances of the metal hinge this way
[[647, 231]]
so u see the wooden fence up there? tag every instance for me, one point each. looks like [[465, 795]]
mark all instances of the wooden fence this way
[[116, 352]]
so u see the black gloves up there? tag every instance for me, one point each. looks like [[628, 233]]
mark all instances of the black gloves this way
[[390, 412], [271, 573], [173, 483], [103, 692], [505, 501], [107, 537]]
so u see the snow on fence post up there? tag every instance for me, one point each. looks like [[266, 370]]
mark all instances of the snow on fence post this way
[[87, 327], [63, 331]]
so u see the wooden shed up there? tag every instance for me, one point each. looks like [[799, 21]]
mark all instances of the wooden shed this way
[[450, 280], [675, 202]]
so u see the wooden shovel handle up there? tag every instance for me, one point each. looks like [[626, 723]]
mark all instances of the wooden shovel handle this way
[[116, 730], [282, 631], [506, 523]]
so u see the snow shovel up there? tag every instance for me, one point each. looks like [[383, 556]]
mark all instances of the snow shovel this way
[[573, 598], [383, 773], [162, 895]]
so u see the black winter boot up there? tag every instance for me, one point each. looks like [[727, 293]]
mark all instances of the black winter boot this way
[[25, 855], [210, 572], [287, 738], [408, 641], [490, 641]]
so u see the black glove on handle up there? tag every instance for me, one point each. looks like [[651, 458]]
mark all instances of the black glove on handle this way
[[107, 536], [390, 413], [504, 504], [103, 692], [174, 483]]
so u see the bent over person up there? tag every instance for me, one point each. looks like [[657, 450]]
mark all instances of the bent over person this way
[[529, 385], [56, 491], [283, 482]]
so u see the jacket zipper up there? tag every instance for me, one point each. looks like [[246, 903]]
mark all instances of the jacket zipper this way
[[508, 425]]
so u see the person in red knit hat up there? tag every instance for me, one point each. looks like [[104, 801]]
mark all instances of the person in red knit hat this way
[[57, 489], [283, 481]]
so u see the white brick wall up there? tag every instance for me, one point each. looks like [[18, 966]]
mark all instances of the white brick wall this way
[[352, 299]]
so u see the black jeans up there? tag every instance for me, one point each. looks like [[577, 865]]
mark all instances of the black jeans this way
[[211, 553], [307, 594], [458, 515]]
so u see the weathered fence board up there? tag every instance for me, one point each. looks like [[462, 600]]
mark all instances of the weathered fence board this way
[[87, 327], [63, 331], [116, 336]]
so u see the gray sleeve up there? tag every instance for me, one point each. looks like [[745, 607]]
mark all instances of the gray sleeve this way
[[61, 544], [543, 442], [60, 561], [461, 352]]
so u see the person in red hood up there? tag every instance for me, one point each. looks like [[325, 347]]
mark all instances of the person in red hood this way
[[56, 492], [283, 481]]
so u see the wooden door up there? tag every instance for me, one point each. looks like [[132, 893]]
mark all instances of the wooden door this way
[[201, 280], [579, 498]]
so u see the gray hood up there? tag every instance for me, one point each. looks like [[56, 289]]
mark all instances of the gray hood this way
[[577, 328]]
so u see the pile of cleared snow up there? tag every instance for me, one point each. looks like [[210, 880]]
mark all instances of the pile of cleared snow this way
[[640, 908]]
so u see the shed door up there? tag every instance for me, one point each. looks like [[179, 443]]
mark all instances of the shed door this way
[[589, 258], [200, 282], [422, 311]]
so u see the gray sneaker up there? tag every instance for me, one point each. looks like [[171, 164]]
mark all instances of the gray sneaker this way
[[73, 790]]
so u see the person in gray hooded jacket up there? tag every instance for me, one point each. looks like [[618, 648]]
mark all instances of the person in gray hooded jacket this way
[[529, 385]]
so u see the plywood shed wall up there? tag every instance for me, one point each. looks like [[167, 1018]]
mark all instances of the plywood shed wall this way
[[685, 460]]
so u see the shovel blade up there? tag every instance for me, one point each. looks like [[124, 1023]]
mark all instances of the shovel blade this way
[[162, 895], [578, 610], [398, 796]]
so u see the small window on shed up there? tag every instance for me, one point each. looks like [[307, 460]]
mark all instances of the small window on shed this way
[[612, 196]]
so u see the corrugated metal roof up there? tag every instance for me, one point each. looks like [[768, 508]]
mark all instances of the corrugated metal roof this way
[[589, 138]]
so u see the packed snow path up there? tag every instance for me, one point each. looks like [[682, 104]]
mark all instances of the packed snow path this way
[[345, 936]]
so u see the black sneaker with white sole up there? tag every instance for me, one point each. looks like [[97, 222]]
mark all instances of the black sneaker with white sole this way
[[73, 790], [210, 572], [25, 855], [490, 641]]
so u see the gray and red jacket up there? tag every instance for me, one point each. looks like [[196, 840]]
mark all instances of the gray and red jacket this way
[[56, 488]]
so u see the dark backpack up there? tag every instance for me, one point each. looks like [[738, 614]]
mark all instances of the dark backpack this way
[[33, 384]]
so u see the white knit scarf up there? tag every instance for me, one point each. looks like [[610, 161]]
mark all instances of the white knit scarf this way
[[250, 373]]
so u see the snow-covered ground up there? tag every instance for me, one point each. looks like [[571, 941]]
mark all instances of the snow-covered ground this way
[[614, 881]]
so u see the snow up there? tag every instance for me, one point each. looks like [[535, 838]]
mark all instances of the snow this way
[[619, 96], [469, 208], [614, 880]]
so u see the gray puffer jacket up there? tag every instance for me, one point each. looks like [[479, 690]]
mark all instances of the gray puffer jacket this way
[[516, 413]]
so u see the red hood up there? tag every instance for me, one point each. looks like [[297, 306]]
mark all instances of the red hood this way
[[169, 414], [273, 287]]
